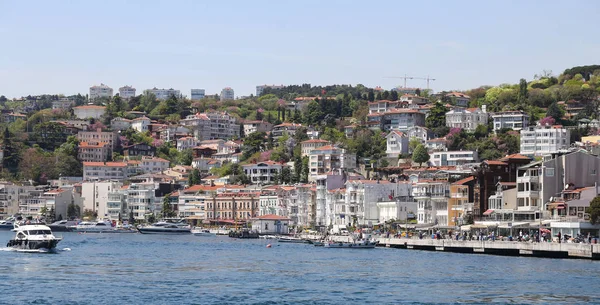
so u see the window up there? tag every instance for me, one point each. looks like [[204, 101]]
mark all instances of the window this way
[[549, 172]]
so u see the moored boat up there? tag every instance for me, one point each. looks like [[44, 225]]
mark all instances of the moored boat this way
[[63, 225], [202, 232], [33, 237], [94, 226], [7, 224], [295, 240], [164, 227]]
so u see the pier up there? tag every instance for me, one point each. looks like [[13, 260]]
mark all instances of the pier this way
[[507, 248]]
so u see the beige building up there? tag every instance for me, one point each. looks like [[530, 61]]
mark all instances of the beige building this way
[[309, 145], [104, 171], [94, 151], [89, 111], [109, 137]]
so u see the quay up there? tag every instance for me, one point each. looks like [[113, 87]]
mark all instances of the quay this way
[[507, 248]]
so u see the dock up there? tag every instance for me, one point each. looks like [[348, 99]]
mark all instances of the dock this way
[[507, 248]]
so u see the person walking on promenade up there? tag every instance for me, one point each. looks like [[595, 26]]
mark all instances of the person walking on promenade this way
[[559, 236], [589, 238]]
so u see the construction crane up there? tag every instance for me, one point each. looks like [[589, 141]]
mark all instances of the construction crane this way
[[405, 77]]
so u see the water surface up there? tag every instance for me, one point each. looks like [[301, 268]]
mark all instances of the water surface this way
[[160, 269]]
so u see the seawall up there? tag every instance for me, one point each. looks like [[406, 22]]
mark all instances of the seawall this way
[[513, 248]]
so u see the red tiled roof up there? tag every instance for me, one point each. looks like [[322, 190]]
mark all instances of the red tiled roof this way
[[514, 156], [326, 147], [314, 141], [107, 164], [272, 217], [465, 180], [89, 107], [494, 162]]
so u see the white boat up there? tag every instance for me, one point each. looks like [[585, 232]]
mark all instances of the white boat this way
[[94, 226], [7, 223], [362, 244], [164, 227], [202, 232], [33, 237], [289, 239]]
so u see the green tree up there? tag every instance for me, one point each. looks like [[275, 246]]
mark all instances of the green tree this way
[[167, 209], [313, 114], [555, 111], [413, 143], [185, 157], [437, 116], [420, 155], [305, 170], [594, 210], [194, 177], [253, 143], [522, 95], [73, 211]]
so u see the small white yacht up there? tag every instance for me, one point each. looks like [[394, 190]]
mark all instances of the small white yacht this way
[[33, 237], [164, 227], [94, 226], [202, 232], [8, 223]]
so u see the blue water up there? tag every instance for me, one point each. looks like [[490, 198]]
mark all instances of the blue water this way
[[159, 269]]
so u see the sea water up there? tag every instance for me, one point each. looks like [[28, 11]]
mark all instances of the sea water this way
[[187, 269]]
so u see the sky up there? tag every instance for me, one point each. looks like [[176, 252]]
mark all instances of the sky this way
[[64, 47]]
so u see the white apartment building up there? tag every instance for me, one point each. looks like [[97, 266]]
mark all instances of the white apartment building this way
[[289, 128], [268, 204], [309, 145], [63, 103], [95, 196], [256, 126], [100, 91], [362, 197], [324, 184], [515, 120], [12, 197], [420, 133], [432, 201], [446, 158], [186, 142], [467, 119], [542, 140], [119, 124], [141, 199], [163, 94], [227, 94], [140, 124], [197, 94], [263, 172], [261, 88], [109, 137], [126, 92], [400, 210], [153, 164], [116, 204], [329, 158], [396, 119], [212, 125], [89, 111], [396, 144], [104, 171]]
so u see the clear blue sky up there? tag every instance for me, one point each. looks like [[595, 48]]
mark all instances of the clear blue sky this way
[[67, 46]]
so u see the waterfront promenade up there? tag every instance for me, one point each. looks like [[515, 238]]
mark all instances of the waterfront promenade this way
[[510, 248]]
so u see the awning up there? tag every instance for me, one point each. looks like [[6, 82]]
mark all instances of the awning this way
[[556, 205], [488, 212]]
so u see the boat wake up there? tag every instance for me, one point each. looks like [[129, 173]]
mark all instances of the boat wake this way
[[9, 249]]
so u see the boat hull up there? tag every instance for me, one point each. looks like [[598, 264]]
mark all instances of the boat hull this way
[[60, 228], [33, 244], [350, 245], [164, 231], [6, 226]]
